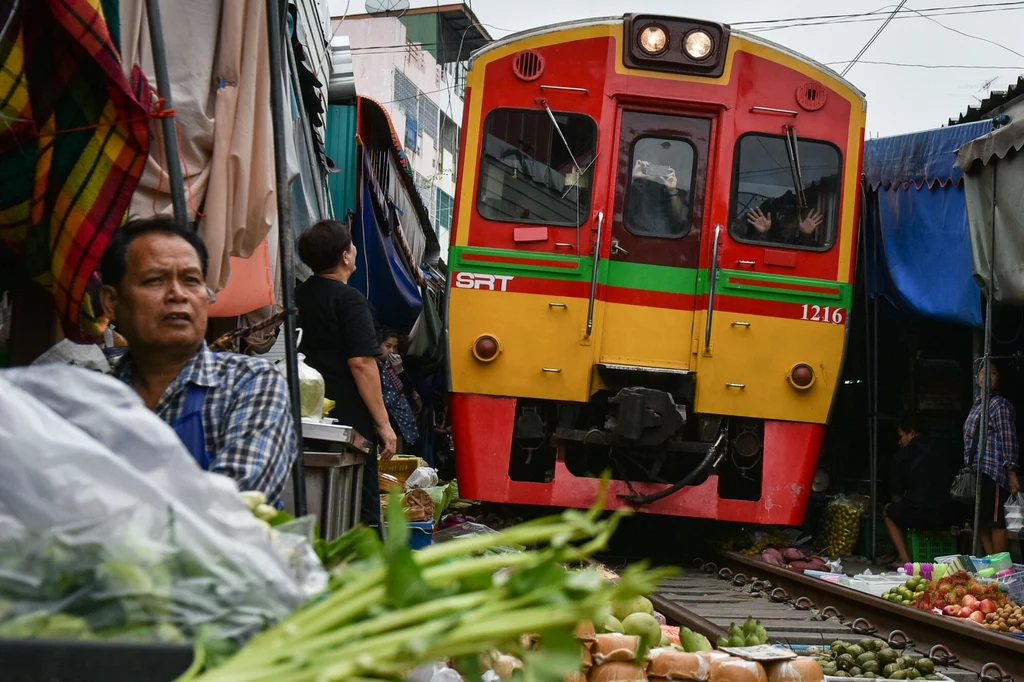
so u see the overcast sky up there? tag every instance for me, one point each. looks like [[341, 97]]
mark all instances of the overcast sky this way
[[900, 98]]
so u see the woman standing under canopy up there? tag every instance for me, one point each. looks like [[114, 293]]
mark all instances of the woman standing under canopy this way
[[998, 465], [339, 340]]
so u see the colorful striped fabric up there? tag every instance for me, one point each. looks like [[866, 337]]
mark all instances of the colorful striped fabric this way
[[74, 136]]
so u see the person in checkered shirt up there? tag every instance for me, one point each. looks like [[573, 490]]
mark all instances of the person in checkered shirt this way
[[232, 412]]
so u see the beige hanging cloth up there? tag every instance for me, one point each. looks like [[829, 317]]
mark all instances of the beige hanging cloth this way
[[218, 62]]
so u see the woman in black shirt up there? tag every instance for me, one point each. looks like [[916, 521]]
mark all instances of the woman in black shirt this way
[[921, 478], [339, 340]]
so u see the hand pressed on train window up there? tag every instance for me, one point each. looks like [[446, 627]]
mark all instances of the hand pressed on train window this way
[[812, 222], [760, 221]]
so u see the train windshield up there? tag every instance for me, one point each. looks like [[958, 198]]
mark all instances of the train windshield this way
[[529, 174], [772, 203]]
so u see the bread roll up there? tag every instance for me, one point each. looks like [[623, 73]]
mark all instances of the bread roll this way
[[610, 648], [672, 664], [801, 669], [737, 670], [585, 631], [617, 672]]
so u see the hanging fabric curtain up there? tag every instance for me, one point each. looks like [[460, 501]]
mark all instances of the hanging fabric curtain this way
[[218, 62], [74, 136], [381, 273], [995, 207]]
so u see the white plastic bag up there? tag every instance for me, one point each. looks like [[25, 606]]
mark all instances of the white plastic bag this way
[[422, 477], [311, 389], [108, 522], [1014, 512]]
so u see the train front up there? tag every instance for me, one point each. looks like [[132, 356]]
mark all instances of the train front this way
[[651, 268]]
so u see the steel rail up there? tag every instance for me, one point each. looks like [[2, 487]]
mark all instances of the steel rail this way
[[972, 646]]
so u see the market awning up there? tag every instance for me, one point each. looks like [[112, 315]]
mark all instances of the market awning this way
[[918, 219], [994, 191]]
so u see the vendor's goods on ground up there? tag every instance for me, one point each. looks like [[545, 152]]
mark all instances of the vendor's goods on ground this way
[[841, 526], [874, 659], [108, 529]]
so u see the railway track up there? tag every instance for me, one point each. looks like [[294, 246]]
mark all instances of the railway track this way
[[803, 611]]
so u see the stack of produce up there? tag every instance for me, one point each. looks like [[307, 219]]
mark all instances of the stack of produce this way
[[906, 593], [625, 658], [1006, 618], [794, 559], [751, 634], [841, 526], [874, 659], [390, 609], [960, 595]]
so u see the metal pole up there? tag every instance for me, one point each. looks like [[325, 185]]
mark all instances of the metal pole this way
[[867, 226], [986, 388], [286, 238], [167, 123]]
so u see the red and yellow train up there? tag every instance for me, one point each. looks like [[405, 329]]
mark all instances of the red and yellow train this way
[[651, 268]]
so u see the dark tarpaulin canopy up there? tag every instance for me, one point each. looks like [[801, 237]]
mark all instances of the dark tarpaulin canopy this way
[[917, 219]]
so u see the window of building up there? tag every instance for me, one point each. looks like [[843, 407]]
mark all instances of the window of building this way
[[445, 204], [782, 198], [659, 197], [527, 171]]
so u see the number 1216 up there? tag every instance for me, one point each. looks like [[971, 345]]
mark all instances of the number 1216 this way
[[815, 313]]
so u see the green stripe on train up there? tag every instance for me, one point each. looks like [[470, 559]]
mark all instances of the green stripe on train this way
[[659, 278]]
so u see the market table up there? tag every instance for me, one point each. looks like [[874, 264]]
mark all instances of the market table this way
[[333, 457]]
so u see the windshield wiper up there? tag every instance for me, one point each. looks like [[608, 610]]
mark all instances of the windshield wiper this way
[[558, 128], [793, 150]]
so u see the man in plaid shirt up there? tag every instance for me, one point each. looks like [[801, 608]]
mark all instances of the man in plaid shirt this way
[[998, 464], [231, 411]]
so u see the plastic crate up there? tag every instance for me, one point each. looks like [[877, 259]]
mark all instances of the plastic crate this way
[[883, 544], [421, 533], [42, 660], [399, 466], [1014, 584], [926, 545]]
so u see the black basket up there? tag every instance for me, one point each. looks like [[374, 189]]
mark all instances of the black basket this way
[[43, 660]]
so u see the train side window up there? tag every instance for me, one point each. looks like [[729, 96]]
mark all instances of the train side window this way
[[658, 200], [766, 204], [527, 171]]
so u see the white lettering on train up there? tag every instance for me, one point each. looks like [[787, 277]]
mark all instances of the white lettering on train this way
[[469, 280]]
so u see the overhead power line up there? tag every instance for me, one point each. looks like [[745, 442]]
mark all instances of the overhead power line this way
[[931, 66], [876, 15]]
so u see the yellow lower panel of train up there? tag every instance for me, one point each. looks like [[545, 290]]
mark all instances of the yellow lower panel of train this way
[[747, 370], [543, 351]]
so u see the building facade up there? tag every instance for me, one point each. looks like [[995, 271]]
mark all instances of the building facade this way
[[414, 66]]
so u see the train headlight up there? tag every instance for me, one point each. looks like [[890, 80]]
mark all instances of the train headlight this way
[[653, 39], [486, 348], [802, 376], [698, 45]]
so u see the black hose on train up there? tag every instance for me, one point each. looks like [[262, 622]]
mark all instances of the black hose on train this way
[[710, 460]]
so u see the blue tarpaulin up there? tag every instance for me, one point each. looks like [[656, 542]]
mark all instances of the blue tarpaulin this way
[[381, 273], [917, 223]]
